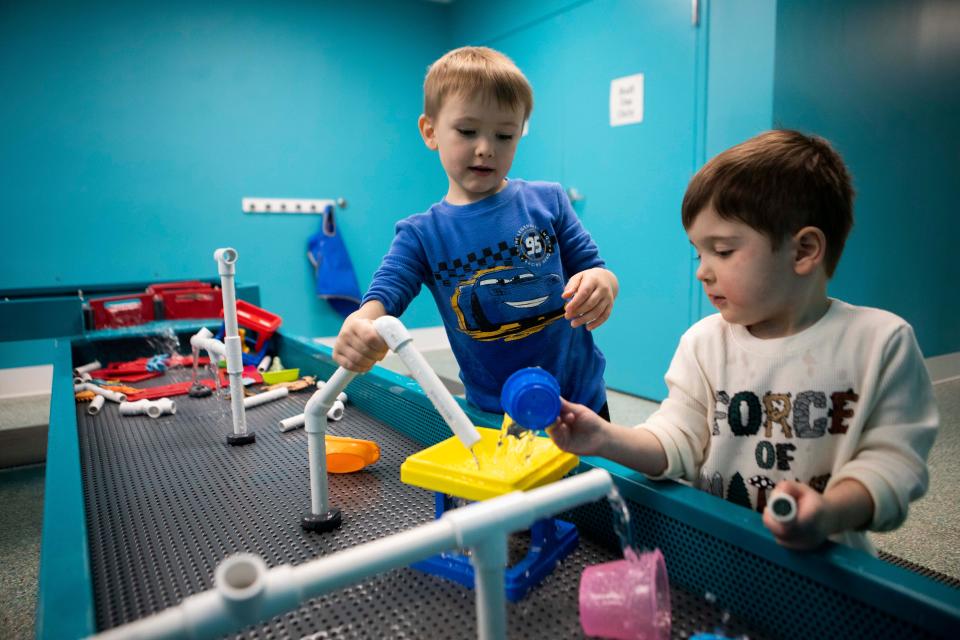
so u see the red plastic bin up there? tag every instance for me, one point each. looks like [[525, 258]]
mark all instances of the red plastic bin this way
[[191, 303], [160, 288], [261, 321], [122, 311]]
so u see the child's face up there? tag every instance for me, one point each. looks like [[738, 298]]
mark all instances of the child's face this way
[[745, 279], [477, 140]]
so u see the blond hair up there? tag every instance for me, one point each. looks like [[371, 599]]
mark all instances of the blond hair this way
[[476, 70]]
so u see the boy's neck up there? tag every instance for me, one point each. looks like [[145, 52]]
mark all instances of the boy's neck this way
[[458, 197], [804, 314]]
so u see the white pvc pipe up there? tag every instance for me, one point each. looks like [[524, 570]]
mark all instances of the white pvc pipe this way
[[782, 506], [87, 368], [264, 364], [398, 339], [266, 396], [112, 396], [148, 407], [203, 340], [295, 422], [96, 405], [315, 424], [246, 592], [82, 377], [342, 396]]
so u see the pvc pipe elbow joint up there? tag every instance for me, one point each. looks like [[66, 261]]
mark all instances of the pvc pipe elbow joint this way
[[226, 259]]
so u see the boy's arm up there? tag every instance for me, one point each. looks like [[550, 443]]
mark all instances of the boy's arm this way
[[890, 461], [580, 431], [681, 423]]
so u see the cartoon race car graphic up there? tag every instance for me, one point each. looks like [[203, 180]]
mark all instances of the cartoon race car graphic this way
[[507, 303]]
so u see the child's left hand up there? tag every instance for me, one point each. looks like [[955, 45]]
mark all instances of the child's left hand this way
[[810, 528], [592, 292]]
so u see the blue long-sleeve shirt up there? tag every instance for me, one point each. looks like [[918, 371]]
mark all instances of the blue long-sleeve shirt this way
[[496, 269]]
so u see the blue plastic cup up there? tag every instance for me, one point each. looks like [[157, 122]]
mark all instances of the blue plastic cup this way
[[531, 397]]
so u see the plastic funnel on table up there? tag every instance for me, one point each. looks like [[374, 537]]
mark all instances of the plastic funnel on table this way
[[626, 599], [346, 455]]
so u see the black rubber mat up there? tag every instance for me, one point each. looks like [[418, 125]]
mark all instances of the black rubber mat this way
[[167, 499]]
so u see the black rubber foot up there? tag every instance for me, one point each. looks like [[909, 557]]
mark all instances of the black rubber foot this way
[[199, 391], [237, 440], [322, 522]]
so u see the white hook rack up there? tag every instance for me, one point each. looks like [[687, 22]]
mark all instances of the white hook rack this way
[[290, 205]]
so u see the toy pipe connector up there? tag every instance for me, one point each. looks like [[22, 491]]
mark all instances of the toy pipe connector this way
[[112, 396], [295, 422], [95, 405], [398, 339], [246, 592], [264, 364], [80, 378], [782, 506], [342, 396], [151, 408], [266, 396], [321, 517], [87, 368]]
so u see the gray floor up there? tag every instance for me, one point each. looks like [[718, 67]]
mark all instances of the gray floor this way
[[929, 537]]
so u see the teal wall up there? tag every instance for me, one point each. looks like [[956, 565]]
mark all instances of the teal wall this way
[[881, 80], [131, 130]]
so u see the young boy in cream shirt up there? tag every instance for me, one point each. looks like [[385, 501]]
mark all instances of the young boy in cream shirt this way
[[829, 402]]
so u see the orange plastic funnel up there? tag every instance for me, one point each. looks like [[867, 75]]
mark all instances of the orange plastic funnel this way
[[346, 455]]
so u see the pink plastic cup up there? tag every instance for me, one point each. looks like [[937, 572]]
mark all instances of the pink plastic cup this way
[[626, 599]]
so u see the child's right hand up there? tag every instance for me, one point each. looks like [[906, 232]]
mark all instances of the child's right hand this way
[[359, 345], [578, 429]]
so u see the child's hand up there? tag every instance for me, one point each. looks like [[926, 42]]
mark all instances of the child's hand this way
[[809, 528], [592, 292], [578, 430], [358, 346]]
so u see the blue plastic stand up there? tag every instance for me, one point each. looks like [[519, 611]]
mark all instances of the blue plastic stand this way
[[551, 541]]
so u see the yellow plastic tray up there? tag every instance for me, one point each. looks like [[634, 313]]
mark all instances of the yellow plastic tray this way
[[450, 468], [284, 375]]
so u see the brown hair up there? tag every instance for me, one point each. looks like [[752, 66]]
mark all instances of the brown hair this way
[[472, 70], [777, 183]]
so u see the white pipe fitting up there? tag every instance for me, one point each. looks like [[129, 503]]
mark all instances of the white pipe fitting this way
[[264, 364], [295, 422], [153, 409], [95, 405], [398, 339], [342, 396], [87, 368], [82, 378], [266, 396], [782, 507], [246, 592], [112, 396]]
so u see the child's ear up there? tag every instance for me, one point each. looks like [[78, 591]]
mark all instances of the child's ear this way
[[810, 249], [427, 132]]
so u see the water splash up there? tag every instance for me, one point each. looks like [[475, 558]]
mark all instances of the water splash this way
[[621, 523]]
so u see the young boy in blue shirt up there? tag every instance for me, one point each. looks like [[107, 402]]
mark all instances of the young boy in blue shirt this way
[[784, 388], [517, 279]]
